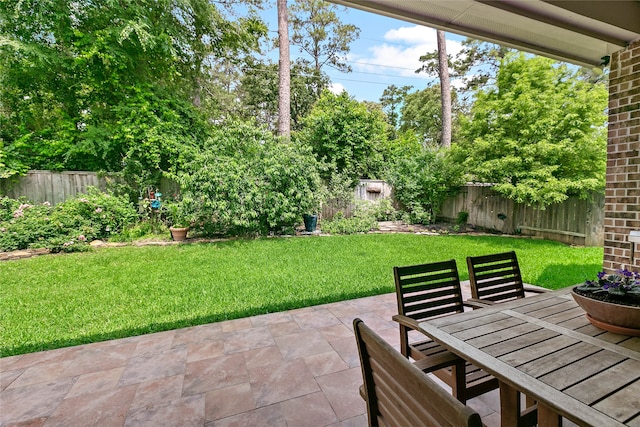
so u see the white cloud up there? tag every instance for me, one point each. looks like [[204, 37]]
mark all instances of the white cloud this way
[[412, 35], [336, 88], [401, 56]]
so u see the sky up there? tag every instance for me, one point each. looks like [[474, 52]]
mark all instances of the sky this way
[[386, 53]]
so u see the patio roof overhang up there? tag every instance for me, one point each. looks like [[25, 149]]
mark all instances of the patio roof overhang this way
[[580, 32]]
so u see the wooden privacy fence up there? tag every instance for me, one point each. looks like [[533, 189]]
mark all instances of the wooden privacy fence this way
[[575, 221], [53, 187], [372, 190]]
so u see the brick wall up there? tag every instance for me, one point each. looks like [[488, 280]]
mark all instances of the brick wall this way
[[622, 201]]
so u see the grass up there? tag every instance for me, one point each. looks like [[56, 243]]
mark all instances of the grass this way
[[61, 300]]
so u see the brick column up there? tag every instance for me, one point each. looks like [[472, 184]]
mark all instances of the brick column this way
[[622, 200]]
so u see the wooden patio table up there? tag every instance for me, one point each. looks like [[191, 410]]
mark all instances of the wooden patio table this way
[[545, 347]]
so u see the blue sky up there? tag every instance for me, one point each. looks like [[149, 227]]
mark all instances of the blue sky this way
[[387, 52]]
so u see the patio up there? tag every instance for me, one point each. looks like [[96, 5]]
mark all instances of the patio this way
[[295, 368]]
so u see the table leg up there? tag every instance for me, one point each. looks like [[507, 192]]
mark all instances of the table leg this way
[[509, 405], [510, 409], [547, 417]]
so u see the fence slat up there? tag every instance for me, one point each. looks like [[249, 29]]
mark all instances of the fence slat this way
[[47, 186], [575, 221]]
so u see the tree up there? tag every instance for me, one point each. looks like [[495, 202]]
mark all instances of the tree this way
[[74, 76], [345, 136], [422, 114], [391, 100], [284, 78], [539, 134], [438, 63], [318, 31], [445, 89], [259, 92], [475, 65]]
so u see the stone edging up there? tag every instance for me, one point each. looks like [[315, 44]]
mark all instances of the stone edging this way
[[384, 227]]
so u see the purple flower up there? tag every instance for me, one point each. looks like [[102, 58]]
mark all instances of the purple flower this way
[[625, 273], [620, 283]]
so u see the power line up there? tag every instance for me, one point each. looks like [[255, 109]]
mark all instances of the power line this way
[[380, 65], [360, 81]]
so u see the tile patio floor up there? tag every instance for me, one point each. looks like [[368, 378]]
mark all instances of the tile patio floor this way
[[294, 368]]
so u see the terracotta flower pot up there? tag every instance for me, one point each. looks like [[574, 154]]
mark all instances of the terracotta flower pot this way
[[621, 319], [179, 234]]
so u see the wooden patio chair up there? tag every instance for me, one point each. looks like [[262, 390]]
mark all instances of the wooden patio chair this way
[[426, 291], [399, 394], [496, 278]]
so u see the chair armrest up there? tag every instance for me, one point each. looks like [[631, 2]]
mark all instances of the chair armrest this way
[[480, 302], [363, 392], [536, 290], [438, 361], [476, 303], [406, 321]]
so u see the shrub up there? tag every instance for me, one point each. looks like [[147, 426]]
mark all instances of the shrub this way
[[362, 221], [422, 183], [141, 230], [68, 226], [383, 210], [341, 225], [339, 193], [463, 217], [247, 182], [29, 225]]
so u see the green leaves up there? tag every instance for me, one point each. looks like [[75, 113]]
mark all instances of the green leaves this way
[[345, 136], [248, 182], [317, 31], [539, 135], [422, 182], [66, 227], [100, 85]]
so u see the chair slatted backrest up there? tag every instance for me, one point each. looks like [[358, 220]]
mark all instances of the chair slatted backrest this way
[[428, 290], [495, 277], [400, 394]]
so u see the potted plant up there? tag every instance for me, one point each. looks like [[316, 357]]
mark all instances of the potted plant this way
[[612, 301], [312, 206], [179, 214], [310, 222]]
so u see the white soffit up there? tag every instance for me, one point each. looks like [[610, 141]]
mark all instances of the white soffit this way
[[581, 32]]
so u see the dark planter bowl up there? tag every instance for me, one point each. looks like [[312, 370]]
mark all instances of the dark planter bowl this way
[[310, 222], [621, 319]]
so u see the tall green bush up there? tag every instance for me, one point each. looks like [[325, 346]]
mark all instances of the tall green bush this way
[[247, 182], [346, 137], [421, 183]]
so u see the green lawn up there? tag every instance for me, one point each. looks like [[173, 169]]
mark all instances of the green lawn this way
[[60, 300]]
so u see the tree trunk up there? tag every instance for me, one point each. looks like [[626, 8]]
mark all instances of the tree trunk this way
[[284, 72], [445, 89]]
